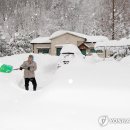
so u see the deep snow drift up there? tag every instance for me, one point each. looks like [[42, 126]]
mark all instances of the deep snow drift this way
[[70, 98]]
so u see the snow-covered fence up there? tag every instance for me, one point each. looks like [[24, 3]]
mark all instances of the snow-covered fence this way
[[111, 47]]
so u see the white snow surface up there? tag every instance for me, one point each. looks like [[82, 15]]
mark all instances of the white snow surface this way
[[97, 39], [114, 43], [70, 98], [41, 40], [70, 48]]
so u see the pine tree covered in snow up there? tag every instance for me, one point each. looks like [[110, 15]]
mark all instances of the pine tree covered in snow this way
[[21, 44], [4, 46]]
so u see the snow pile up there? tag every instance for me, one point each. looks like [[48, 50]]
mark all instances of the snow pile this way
[[72, 99], [94, 58], [126, 61], [99, 73], [70, 48]]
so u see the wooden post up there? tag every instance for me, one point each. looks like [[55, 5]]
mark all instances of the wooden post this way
[[113, 20], [105, 55], [33, 47]]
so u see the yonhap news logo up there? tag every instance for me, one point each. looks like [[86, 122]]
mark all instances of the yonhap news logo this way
[[105, 120]]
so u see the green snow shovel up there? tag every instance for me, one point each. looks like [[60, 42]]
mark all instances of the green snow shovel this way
[[6, 68]]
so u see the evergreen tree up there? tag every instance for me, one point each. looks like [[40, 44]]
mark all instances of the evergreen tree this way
[[21, 43], [4, 46]]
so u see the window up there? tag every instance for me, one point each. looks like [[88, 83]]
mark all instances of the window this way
[[99, 51], [83, 51], [92, 50], [58, 51], [95, 51], [43, 50]]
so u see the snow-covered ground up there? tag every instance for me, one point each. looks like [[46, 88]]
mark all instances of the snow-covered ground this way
[[70, 98]]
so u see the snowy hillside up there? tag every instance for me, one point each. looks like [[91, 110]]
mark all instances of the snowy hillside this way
[[70, 98]]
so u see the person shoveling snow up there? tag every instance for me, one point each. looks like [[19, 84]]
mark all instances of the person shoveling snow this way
[[29, 67]]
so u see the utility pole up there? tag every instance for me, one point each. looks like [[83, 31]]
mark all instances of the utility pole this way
[[113, 19]]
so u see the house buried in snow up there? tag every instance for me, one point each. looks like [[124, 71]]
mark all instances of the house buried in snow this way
[[53, 44]]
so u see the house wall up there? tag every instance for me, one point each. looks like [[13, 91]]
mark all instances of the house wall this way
[[41, 45], [102, 55], [63, 39]]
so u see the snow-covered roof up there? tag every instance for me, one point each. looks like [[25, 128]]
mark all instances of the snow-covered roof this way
[[68, 48], [88, 38], [62, 32], [125, 41], [114, 43], [96, 38], [41, 40]]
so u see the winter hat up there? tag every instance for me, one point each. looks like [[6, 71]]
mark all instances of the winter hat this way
[[31, 56]]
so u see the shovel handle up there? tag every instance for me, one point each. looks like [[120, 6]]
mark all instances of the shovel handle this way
[[16, 69]]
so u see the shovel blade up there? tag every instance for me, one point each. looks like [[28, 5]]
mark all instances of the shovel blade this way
[[6, 68]]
